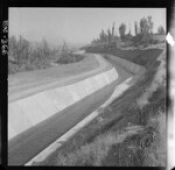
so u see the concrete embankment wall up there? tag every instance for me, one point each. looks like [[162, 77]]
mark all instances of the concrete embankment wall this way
[[28, 112], [25, 146], [127, 65]]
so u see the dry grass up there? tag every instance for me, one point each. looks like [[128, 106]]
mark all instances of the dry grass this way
[[145, 148], [159, 79], [93, 153], [156, 155]]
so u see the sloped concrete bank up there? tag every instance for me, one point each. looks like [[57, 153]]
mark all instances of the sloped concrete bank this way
[[37, 120], [131, 67], [24, 84], [28, 112], [44, 154]]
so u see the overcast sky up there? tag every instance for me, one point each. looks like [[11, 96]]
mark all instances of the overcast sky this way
[[76, 25]]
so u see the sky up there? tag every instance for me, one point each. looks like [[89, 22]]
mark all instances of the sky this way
[[76, 25]]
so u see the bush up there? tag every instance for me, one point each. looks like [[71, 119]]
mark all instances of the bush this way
[[24, 56], [67, 58]]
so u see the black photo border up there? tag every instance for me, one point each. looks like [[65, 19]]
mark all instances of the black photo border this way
[[6, 4]]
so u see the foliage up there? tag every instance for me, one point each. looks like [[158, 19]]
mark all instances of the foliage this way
[[122, 30], [136, 27], [146, 25], [19, 49], [108, 38], [143, 35], [68, 57], [25, 56], [161, 30], [103, 36]]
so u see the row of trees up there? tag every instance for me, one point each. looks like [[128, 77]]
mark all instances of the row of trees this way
[[143, 32], [23, 55], [109, 36]]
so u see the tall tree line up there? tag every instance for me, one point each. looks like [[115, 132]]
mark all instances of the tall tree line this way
[[143, 32]]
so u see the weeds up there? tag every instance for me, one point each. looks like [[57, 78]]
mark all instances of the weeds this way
[[67, 58], [92, 154], [155, 155]]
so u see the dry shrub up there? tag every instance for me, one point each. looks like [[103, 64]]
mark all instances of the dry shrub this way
[[92, 154], [89, 154], [159, 79], [155, 155]]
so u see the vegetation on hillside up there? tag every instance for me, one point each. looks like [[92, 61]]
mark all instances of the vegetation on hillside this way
[[67, 56], [141, 57], [144, 35]]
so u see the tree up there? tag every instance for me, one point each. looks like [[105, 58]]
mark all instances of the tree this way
[[161, 30], [65, 47], [150, 24], [143, 26], [129, 35], [22, 50], [136, 27], [146, 34], [122, 30], [102, 36], [146, 25], [44, 49], [12, 45], [113, 29], [109, 35]]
